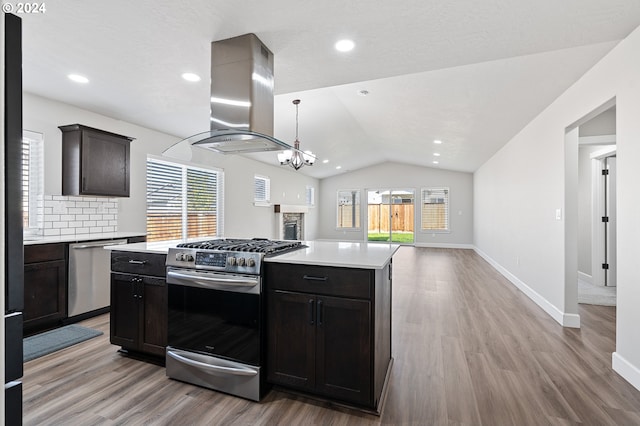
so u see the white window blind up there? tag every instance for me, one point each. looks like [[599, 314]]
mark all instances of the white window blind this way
[[32, 180], [182, 201], [310, 196], [348, 209], [435, 209], [262, 189]]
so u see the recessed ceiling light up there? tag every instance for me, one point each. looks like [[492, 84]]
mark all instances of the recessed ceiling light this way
[[437, 141], [78, 78], [325, 161], [436, 162], [189, 76], [345, 45], [338, 167], [436, 154]]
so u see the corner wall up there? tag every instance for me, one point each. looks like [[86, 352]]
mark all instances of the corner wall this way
[[518, 191]]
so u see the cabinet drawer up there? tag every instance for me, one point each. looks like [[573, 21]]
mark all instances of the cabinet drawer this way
[[326, 280], [43, 252], [138, 263]]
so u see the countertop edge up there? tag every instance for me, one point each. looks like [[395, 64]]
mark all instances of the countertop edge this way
[[74, 238]]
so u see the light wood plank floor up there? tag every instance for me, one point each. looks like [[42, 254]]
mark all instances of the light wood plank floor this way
[[469, 349]]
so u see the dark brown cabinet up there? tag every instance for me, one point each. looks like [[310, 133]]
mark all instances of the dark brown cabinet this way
[[326, 332], [94, 162], [45, 286], [139, 302]]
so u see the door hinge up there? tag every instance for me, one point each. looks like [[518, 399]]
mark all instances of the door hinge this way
[[605, 266], [605, 172], [605, 219]]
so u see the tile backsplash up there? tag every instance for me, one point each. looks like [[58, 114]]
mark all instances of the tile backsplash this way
[[65, 215]]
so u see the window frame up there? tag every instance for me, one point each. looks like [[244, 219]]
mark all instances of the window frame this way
[[33, 186], [184, 207], [310, 196], [447, 212], [266, 201], [358, 216]]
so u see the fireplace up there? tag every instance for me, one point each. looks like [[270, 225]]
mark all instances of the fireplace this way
[[290, 221]]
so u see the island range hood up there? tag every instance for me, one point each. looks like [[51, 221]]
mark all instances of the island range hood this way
[[241, 99]]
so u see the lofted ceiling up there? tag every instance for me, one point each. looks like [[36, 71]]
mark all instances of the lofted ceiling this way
[[469, 73]]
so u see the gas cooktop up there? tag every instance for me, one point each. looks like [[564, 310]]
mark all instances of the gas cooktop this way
[[257, 245], [228, 255]]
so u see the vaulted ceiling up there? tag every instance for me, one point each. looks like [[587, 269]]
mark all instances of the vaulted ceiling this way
[[469, 73]]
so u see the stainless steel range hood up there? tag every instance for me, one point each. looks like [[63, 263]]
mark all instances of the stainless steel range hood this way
[[241, 98]]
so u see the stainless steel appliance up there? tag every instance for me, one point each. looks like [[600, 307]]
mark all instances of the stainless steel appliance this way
[[89, 278], [11, 206], [215, 320]]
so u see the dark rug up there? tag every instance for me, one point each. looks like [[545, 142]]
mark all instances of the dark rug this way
[[54, 340]]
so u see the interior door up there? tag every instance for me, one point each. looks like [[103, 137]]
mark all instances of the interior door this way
[[391, 215], [610, 223]]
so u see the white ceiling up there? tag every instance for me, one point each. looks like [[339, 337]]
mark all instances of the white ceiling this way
[[471, 73]]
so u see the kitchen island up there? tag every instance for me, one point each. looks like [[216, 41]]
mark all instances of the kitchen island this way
[[326, 315]]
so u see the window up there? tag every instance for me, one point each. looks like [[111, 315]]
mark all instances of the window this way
[[182, 201], [310, 196], [349, 209], [32, 179], [262, 190], [435, 209]]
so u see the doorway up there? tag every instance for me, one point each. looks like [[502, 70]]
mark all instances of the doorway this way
[[391, 215]]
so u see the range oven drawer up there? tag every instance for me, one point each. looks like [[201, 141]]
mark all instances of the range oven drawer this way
[[215, 373]]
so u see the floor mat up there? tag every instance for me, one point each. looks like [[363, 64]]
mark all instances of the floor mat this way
[[54, 340]]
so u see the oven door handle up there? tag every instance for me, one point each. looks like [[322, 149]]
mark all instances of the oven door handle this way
[[201, 280], [208, 368]]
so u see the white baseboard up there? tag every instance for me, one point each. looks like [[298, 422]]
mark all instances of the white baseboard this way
[[563, 318], [627, 370], [585, 277], [445, 245]]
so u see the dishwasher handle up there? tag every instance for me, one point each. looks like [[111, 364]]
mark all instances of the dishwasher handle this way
[[97, 245]]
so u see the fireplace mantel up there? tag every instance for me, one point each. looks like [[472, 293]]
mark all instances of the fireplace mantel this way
[[290, 208]]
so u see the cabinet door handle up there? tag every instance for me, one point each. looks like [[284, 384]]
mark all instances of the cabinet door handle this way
[[312, 278], [312, 314], [137, 262], [320, 312]]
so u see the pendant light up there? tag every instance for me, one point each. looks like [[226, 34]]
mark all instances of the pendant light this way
[[294, 157]]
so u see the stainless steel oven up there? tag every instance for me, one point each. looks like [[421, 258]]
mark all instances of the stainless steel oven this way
[[215, 323]]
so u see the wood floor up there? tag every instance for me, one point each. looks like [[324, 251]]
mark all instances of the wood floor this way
[[469, 349]]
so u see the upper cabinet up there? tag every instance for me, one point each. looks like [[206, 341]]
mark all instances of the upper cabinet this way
[[94, 162]]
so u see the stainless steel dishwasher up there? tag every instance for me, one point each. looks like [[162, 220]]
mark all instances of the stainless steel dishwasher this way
[[89, 276]]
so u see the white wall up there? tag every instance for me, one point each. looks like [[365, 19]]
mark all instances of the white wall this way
[[241, 218], [517, 192], [395, 175]]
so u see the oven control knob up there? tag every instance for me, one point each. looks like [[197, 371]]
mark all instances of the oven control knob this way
[[241, 261], [251, 262], [188, 257], [231, 260], [179, 256]]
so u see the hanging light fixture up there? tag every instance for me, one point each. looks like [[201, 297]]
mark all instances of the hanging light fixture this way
[[294, 157]]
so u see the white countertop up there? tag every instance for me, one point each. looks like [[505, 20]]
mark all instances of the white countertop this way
[[338, 253], [72, 238], [323, 253], [161, 247]]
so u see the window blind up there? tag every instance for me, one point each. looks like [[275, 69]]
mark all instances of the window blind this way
[[435, 209], [262, 189], [182, 201]]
